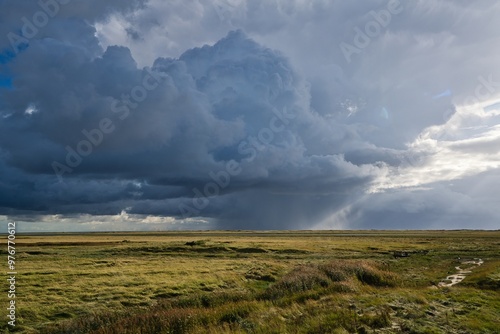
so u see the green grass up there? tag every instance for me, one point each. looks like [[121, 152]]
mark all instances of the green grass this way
[[256, 282]]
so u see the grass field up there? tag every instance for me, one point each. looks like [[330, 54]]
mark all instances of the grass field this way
[[256, 282]]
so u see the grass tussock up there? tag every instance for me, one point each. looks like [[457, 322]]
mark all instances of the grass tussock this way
[[365, 271], [302, 278], [312, 276]]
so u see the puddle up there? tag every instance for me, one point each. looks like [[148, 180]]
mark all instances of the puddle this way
[[461, 273]]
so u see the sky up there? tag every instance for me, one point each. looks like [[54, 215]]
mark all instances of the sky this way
[[249, 114]]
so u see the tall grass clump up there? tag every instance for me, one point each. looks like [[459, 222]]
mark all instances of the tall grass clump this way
[[366, 272], [302, 278], [312, 276]]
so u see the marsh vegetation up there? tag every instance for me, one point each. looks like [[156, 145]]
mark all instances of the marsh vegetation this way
[[257, 282]]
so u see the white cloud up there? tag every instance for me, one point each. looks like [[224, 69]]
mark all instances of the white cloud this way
[[30, 110], [467, 144]]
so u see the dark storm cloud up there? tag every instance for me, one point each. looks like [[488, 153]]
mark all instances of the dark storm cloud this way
[[116, 109], [232, 103]]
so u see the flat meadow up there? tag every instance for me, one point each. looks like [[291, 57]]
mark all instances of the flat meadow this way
[[257, 282]]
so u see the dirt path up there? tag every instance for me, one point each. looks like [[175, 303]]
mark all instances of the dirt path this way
[[461, 273]]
